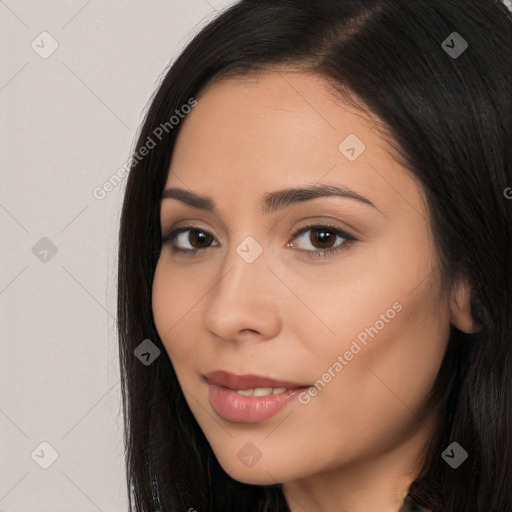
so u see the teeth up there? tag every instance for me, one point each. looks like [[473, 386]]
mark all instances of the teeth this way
[[245, 392], [261, 391]]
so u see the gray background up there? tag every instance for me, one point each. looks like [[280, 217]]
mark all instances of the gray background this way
[[68, 122]]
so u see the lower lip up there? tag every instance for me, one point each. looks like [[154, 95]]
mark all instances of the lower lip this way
[[231, 406]]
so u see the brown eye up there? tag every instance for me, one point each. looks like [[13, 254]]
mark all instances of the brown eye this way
[[318, 240], [189, 239], [199, 239], [322, 238]]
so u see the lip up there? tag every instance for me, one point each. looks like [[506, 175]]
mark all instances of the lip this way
[[248, 381], [231, 406]]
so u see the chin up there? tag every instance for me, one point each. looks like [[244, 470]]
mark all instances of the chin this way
[[254, 478], [259, 474]]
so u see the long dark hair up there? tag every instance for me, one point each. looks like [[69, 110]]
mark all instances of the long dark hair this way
[[449, 116]]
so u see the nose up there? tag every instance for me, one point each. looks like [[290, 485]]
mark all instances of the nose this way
[[245, 301]]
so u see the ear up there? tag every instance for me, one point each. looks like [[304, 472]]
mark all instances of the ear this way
[[460, 308]]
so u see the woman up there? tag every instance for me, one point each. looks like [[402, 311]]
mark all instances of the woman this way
[[315, 263]]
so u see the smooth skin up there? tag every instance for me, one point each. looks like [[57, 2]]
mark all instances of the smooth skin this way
[[357, 444]]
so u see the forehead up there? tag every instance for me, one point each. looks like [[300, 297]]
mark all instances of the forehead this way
[[303, 102], [265, 130]]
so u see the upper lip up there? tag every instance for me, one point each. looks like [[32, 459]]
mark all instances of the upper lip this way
[[247, 381]]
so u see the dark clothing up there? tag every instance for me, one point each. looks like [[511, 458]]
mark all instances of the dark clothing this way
[[411, 505]]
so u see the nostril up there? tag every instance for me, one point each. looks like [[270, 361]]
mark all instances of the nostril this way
[[250, 330]]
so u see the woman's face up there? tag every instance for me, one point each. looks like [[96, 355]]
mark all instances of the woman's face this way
[[348, 313]]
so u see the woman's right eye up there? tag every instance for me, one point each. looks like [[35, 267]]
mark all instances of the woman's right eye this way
[[189, 239]]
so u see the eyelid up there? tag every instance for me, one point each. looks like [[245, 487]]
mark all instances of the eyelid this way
[[340, 232]]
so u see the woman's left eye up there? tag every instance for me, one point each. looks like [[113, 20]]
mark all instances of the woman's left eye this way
[[321, 240]]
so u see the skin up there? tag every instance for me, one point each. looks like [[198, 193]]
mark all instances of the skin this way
[[357, 444]]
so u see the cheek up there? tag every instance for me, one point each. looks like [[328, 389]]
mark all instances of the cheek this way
[[375, 394], [386, 351], [173, 301], [360, 297], [384, 316]]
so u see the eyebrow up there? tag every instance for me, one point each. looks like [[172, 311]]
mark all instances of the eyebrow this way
[[272, 201]]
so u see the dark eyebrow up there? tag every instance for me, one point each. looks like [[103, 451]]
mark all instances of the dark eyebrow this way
[[272, 201]]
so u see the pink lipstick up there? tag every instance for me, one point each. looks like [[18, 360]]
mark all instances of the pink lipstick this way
[[249, 398]]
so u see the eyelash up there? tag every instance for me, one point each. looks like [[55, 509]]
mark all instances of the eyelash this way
[[348, 240]]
